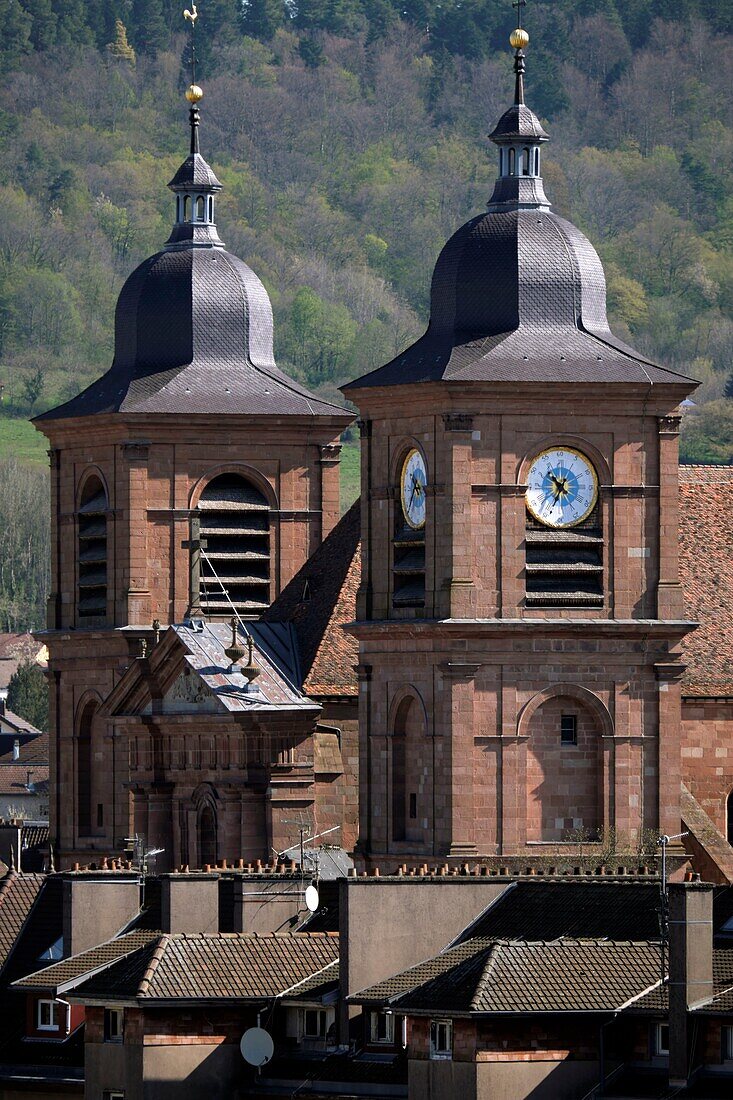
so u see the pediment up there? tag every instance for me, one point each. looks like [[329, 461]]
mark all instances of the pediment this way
[[188, 693]]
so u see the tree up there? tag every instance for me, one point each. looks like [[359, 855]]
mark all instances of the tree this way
[[33, 388], [120, 49], [15, 40], [45, 23], [151, 33], [262, 18], [28, 694]]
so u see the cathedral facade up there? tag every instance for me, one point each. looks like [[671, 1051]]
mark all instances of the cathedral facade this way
[[506, 604]]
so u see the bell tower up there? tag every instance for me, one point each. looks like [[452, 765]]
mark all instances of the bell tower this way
[[194, 477], [520, 614]]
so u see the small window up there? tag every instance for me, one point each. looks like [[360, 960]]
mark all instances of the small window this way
[[186, 208], [314, 1023], [48, 1016], [113, 1094], [100, 815], [441, 1038], [413, 806], [525, 161], [382, 1027], [211, 208], [537, 162], [726, 1043], [512, 162], [114, 1022], [502, 162], [568, 729], [660, 1039], [200, 208]]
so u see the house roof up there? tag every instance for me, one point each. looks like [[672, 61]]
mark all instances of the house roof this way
[[318, 601], [66, 974], [11, 723], [213, 967], [572, 908], [41, 929], [486, 976], [657, 1000], [18, 892], [706, 549], [22, 780], [32, 751]]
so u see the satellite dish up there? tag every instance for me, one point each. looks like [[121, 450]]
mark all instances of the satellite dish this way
[[257, 1046], [311, 899]]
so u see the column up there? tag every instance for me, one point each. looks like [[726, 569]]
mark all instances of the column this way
[[670, 603]]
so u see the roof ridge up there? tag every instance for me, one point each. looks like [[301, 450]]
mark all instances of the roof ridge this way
[[143, 989], [486, 971]]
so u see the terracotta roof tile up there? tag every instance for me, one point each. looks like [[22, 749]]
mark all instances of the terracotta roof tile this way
[[490, 976], [34, 751], [63, 975], [15, 779], [17, 895], [319, 599], [706, 549], [223, 966]]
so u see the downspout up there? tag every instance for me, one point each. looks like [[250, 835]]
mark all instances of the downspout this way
[[67, 1005]]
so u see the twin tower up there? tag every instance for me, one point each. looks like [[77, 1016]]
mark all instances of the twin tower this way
[[519, 619]]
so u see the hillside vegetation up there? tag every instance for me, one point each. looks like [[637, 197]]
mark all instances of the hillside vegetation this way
[[350, 136]]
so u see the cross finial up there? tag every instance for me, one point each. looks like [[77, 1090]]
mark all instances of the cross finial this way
[[519, 4]]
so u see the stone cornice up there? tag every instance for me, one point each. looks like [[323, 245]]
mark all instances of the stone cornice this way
[[631, 628]]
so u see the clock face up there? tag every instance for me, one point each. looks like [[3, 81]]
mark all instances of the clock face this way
[[562, 487], [412, 489]]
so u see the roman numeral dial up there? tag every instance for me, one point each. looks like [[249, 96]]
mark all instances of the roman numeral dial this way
[[562, 487]]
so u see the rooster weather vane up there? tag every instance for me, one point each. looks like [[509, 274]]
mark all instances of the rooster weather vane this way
[[191, 15]]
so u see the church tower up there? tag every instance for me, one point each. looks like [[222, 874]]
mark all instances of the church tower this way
[[520, 613], [194, 477]]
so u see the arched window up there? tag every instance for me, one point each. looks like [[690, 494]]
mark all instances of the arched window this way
[[537, 162], [525, 161], [207, 836], [186, 208], [178, 208], [411, 773], [200, 208], [84, 783], [235, 560], [512, 161], [211, 208], [502, 162], [92, 530]]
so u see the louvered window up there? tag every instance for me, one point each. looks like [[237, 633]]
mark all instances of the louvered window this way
[[235, 539], [564, 568], [92, 520]]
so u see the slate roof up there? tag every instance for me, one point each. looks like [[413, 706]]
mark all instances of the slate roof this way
[[706, 551], [319, 599], [66, 974], [518, 296], [217, 967], [492, 977], [18, 892], [568, 909], [274, 653], [518, 122]]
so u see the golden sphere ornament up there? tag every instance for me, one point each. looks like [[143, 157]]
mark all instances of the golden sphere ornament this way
[[194, 93], [519, 39]]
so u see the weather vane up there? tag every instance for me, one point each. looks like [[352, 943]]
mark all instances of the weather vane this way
[[518, 4], [191, 15]]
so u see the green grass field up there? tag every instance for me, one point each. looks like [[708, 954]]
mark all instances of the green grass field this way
[[19, 439], [350, 470]]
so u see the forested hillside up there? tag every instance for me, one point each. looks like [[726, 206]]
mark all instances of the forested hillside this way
[[350, 136]]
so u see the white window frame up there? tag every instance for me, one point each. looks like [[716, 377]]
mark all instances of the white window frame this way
[[54, 1017], [660, 1050], [374, 1020], [441, 1050], [113, 1094], [118, 1015]]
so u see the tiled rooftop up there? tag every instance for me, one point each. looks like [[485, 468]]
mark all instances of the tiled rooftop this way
[[65, 974], [203, 967], [319, 599], [488, 977], [32, 752], [17, 895]]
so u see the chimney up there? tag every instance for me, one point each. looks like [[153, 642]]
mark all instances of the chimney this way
[[96, 907], [189, 902], [16, 749], [690, 968]]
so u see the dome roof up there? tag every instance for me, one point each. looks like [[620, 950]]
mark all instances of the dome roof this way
[[193, 326]]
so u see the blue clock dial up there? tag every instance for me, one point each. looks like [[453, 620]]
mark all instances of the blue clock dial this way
[[562, 487], [412, 488]]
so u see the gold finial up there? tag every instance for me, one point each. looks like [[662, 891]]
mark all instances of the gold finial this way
[[519, 39], [194, 93]]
